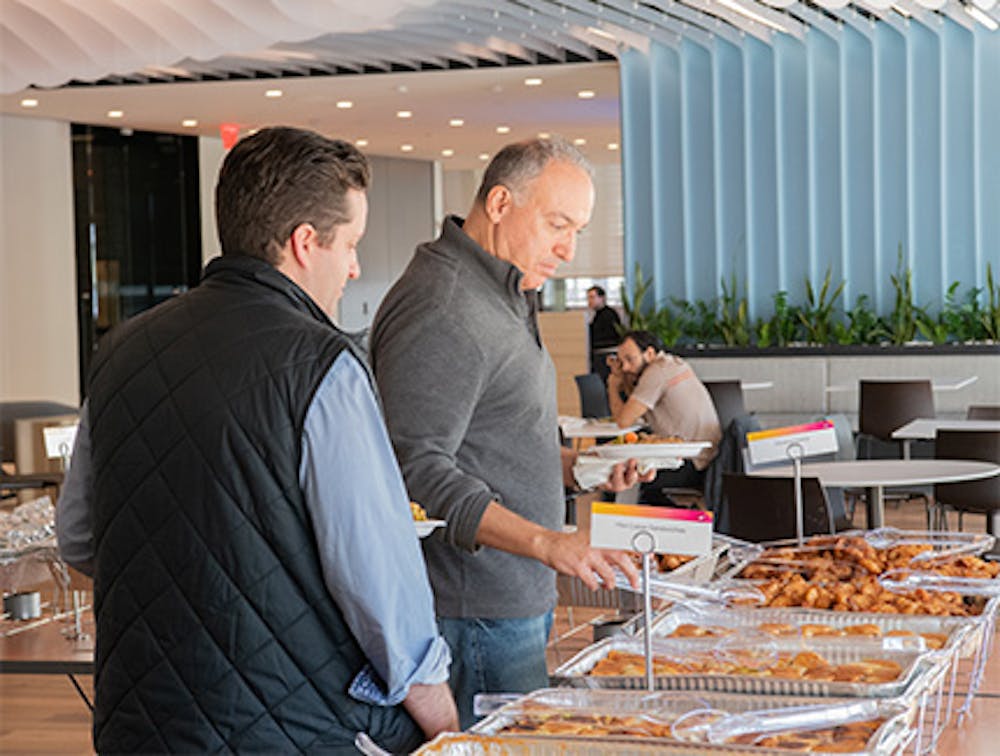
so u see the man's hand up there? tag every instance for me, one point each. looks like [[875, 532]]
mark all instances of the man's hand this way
[[624, 475], [432, 708], [571, 554], [616, 377]]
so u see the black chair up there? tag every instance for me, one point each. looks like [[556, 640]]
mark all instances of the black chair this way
[[885, 406], [593, 396], [983, 412], [727, 396], [9, 413], [763, 509], [976, 496]]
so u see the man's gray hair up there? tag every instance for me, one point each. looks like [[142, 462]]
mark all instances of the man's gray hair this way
[[519, 163]]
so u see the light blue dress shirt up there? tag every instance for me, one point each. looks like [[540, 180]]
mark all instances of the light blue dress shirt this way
[[371, 559]]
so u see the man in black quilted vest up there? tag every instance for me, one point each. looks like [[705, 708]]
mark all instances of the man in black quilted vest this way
[[257, 578]]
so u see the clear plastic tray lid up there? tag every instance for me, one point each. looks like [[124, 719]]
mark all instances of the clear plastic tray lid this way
[[718, 727], [943, 543], [848, 556], [906, 580], [721, 593], [662, 707]]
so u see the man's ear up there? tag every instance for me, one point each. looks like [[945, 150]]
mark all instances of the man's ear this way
[[301, 244], [499, 200]]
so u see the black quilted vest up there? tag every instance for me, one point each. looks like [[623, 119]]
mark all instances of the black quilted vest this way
[[215, 631]]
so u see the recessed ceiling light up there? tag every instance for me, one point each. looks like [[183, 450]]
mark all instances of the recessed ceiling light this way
[[115, 113], [579, 141], [447, 153], [403, 114], [189, 123], [29, 102], [585, 94], [361, 142], [344, 104], [612, 145], [484, 156], [456, 122], [503, 129], [273, 93], [544, 135], [406, 147], [533, 81]]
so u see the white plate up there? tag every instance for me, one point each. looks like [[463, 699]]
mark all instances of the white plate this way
[[426, 527], [679, 450]]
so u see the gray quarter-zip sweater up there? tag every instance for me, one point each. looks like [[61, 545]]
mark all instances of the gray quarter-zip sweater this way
[[470, 403]]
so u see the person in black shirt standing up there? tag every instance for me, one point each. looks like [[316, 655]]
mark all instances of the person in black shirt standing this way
[[604, 326]]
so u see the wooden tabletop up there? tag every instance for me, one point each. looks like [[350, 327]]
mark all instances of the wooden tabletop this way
[[45, 650]]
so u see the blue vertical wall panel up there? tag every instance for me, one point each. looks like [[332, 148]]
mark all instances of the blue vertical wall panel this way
[[701, 275], [857, 165], [825, 218], [957, 259], [730, 176], [923, 138], [761, 172], [637, 168], [668, 187], [792, 158], [987, 152], [890, 135], [775, 161]]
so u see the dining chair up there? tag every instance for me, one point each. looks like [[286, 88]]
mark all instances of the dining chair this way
[[727, 396], [975, 496], [983, 412], [763, 509], [886, 406], [593, 395], [10, 412]]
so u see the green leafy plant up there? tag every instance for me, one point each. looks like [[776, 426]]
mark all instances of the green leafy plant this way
[[933, 328], [637, 314], [698, 320], [666, 324], [817, 315], [733, 321], [783, 326], [862, 326], [990, 316], [902, 321]]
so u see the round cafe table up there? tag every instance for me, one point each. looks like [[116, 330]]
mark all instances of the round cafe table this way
[[875, 475]]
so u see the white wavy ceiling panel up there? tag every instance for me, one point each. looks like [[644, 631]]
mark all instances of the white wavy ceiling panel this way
[[48, 43]]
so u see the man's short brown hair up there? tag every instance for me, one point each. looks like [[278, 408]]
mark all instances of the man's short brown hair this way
[[279, 178]]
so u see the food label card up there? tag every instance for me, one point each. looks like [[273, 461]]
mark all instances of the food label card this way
[[59, 440], [779, 444], [662, 530]]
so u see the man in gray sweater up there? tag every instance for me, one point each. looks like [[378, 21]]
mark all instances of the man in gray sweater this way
[[470, 403]]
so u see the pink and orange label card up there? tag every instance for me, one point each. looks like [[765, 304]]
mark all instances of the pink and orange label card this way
[[664, 530]]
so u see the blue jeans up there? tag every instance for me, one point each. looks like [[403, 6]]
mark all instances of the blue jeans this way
[[495, 656]]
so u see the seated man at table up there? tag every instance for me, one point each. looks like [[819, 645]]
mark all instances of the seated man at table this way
[[660, 389]]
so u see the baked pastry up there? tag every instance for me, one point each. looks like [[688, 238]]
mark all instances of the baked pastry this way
[[787, 666]]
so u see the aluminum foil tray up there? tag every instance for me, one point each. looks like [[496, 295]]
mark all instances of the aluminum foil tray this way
[[918, 668], [573, 592], [956, 629], [485, 738]]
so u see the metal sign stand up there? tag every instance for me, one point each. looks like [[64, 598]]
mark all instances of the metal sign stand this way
[[795, 452], [644, 542]]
